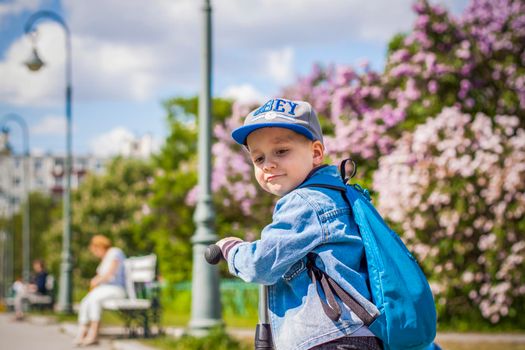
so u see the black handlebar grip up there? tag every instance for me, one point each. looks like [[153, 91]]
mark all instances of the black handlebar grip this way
[[213, 254]]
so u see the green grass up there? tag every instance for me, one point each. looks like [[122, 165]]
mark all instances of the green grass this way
[[216, 340], [465, 326], [181, 319], [177, 309]]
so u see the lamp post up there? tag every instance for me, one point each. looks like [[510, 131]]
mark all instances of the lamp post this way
[[7, 235], [34, 64], [26, 235], [5, 283], [6, 238], [205, 304]]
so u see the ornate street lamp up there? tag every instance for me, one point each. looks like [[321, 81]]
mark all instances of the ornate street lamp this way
[[26, 235], [206, 302], [34, 63]]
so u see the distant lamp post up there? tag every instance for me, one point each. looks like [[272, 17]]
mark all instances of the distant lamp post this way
[[26, 235], [206, 302], [5, 148], [34, 63]]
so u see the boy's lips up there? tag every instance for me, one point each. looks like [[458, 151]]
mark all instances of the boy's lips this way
[[270, 178]]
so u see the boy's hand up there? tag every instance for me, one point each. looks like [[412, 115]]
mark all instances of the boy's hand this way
[[226, 244]]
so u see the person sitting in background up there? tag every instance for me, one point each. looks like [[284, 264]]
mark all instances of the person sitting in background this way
[[18, 286], [108, 283], [27, 292]]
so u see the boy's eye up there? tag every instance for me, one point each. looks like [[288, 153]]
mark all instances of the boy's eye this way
[[258, 160], [281, 152]]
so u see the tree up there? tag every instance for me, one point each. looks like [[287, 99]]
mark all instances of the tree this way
[[43, 210], [112, 204], [171, 206]]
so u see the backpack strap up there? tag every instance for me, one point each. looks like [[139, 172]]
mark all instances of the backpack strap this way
[[330, 287], [342, 189], [318, 277], [342, 170]]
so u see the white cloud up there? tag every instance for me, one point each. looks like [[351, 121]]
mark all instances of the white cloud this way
[[19, 85], [245, 93], [129, 51], [299, 22], [116, 70], [50, 125], [280, 65], [37, 151], [112, 142], [141, 52], [121, 141], [14, 7]]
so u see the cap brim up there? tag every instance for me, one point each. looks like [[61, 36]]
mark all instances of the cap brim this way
[[240, 134]]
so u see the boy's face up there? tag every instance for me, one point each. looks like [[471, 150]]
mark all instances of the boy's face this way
[[282, 158]]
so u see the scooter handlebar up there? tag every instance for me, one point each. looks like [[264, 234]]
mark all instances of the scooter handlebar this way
[[213, 254]]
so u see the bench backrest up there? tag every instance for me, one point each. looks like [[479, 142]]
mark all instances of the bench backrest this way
[[140, 271], [50, 284]]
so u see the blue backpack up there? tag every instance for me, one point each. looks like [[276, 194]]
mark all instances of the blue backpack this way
[[399, 289]]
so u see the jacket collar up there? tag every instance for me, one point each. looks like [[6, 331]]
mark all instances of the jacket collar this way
[[325, 174]]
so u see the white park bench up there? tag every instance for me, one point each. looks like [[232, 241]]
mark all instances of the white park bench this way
[[36, 301], [141, 309]]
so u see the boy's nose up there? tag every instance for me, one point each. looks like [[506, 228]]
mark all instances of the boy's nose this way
[[269, 164]]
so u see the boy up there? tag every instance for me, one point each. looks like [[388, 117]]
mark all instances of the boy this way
[[312, 229]]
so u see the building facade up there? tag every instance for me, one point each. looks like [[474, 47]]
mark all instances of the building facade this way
[[46, 171], [45, 174]]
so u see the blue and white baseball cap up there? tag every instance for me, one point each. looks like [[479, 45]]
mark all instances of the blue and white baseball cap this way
[[298, 116]]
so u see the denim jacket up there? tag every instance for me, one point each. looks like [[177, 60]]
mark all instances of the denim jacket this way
[[307, 220]]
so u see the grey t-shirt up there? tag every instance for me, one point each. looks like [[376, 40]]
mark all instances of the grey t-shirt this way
[[119, 278]]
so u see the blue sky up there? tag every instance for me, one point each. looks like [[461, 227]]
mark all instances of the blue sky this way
[[130, 55]]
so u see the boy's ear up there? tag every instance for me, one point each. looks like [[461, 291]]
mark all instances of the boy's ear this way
[[318, 153]]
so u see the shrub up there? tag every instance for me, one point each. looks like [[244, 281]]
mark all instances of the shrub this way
[[455, 187]]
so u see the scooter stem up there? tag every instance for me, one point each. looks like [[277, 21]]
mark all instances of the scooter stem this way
[[263, 332]]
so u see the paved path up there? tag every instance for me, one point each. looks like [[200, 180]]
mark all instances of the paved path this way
[[36, 335], [39, 333]]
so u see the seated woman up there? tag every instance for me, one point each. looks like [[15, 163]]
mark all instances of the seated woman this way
[[108, 283]]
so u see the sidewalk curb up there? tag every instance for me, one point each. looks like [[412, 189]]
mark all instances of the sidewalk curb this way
[[116, 344], [129, 345]]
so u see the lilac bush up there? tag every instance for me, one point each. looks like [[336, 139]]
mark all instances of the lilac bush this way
[[461, 204], [459, 199], [354, 105], [234, 164], [475, 63], [243, 205]]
